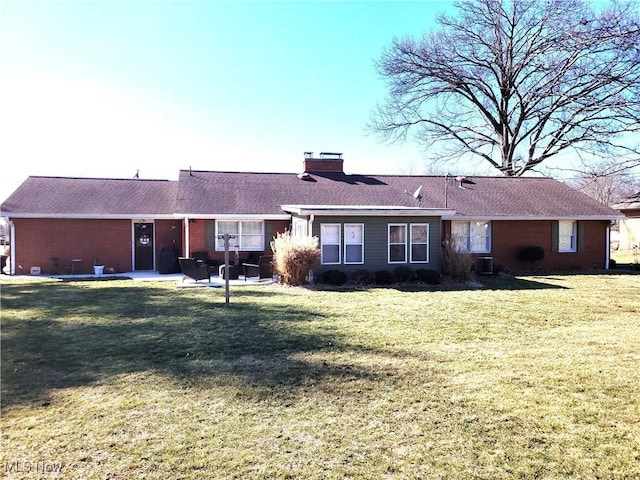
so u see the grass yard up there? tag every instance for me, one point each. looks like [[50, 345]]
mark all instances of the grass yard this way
[[533, 377], [626, 257]]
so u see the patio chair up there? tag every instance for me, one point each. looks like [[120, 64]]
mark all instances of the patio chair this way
[[262, 269], [193, 269], [203, 257]]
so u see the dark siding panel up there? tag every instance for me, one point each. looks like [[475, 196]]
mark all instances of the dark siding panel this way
[[210, 234], [554, 236], [375, 242], [582, 237]]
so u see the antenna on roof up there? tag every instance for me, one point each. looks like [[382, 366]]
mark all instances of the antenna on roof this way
[[137, 175], [417, 195], [462, 180]]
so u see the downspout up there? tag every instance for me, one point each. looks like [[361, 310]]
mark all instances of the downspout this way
[[187, 246], [607, 260], [311, 219], [12, 248]]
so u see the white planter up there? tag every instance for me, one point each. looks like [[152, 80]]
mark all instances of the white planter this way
[[98, 270]]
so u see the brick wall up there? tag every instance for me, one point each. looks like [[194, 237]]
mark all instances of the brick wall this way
[[508, 237], [197, 237], [51, 244], [47, 242]]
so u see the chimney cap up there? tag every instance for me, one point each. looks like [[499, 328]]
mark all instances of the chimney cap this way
[[330, 155]]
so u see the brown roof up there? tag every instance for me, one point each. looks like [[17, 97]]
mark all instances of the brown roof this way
[[632, 202], [209, 193], [201, 193], [65, 196]]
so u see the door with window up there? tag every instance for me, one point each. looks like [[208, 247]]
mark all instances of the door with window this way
[[143, 248]]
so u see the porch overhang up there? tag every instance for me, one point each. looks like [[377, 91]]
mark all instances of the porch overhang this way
[[366, 210]]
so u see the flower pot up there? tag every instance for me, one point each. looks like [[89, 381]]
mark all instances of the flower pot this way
[[98, 270]]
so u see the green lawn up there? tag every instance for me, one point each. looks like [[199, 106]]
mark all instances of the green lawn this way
[[534, 377]]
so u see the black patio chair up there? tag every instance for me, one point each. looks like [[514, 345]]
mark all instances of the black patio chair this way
[[193, 269], [262, 269], [203, 257]]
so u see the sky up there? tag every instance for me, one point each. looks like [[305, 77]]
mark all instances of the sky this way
[[106, 88]]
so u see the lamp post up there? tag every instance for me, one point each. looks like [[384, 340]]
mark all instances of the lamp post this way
[[226, 237]]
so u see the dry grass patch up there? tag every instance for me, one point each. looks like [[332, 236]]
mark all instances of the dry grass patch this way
[[534, 377]]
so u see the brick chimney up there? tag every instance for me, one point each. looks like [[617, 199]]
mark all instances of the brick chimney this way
[[327, 162]]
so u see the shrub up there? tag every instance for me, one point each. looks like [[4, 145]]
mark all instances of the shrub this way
[[531, 253], [404, 274], [362, 277], [430, 277], [294, 257], [334, 277], [383, 277], [456, 265]]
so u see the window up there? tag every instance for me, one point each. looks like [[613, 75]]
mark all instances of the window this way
[[249, 234], [397, 243], [567, 235], [330, 243], [299, 227], [419, 243], [353, 243], [471, 237]]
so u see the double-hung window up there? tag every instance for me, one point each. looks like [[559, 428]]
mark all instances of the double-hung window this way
[[567, 236], [249, 234], [471, 237], [353, 243], [330, 243], [397, 243], [419, 242]]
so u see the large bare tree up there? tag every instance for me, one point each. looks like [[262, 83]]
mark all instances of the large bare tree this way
[[517, 82]]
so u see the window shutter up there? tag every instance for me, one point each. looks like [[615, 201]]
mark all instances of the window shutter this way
[[554, 236], [268, 234], [210, 234], [582, 238]]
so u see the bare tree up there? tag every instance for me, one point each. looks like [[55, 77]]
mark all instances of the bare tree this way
[[606, 182], [516, 82]]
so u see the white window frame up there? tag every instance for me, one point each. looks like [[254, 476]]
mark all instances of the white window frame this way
[[240, 239], [465, 244], [323, 235], [425, 243], [347, 241], [573, 238], [300, 227], [389, 244]]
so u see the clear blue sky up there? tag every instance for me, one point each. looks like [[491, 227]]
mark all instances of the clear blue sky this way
[[103, 88]]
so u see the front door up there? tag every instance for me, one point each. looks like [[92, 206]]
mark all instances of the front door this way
[[143, 250]]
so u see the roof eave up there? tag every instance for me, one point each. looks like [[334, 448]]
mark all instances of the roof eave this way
[[366, 210], [92, 216], [234, 216], [459, 216]]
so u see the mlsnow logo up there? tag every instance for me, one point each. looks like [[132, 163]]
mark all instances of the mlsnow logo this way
[[32, 467]]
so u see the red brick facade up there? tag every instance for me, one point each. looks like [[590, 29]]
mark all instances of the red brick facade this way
[[52, 244], [508, 237], [197, 238]]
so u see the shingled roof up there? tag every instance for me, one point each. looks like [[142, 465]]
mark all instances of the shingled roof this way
[[632, 202], [203, 193], [91, 198], [210, 194]]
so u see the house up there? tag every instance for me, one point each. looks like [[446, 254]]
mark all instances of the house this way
[[373, 222], [66, 225], [630, 224]]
